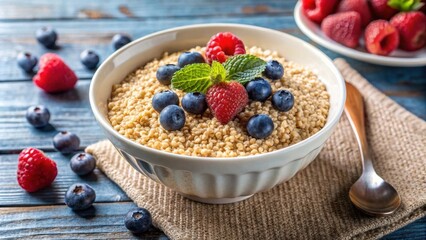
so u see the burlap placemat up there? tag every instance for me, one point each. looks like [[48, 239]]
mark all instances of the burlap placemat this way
[[312, 205]]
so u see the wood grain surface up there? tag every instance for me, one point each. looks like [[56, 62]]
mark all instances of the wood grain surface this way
[[12, 195], [98, 9], [103, 220], [70, 111], [83, 24]]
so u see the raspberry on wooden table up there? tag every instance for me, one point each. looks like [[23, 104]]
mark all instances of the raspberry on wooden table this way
[[54, 75], [35, 170]]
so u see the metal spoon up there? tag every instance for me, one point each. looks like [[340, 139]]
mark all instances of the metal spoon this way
[[370, 193]]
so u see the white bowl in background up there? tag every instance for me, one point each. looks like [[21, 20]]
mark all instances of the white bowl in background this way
[[398, 58], [208, 179]]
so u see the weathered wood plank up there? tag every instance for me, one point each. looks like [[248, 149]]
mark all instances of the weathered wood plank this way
[[77, 35], [12, 195], [96, 9], [103, 221], [70, 111], [413, 231]]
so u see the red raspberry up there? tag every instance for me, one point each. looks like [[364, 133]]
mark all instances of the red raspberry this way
[[317, 10], [412, 30], [223, 45], [381, 9], [54, 75], [380, 37], [226, 100], [35, 170], [359, 6], [344, 28]]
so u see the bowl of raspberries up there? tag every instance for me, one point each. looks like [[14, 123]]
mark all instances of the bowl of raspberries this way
[[384, 32]]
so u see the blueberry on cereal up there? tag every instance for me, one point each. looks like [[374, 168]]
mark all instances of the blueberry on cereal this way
[[163, 99]]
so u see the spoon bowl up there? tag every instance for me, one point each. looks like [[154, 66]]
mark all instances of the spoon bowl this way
[[374, 196], [370, 193]]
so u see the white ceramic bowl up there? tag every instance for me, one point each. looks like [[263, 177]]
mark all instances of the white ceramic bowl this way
[[216, 180], [398, 58]]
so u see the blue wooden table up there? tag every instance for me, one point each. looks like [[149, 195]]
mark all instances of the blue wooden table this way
[[83, 24]]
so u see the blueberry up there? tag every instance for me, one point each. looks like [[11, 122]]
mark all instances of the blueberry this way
[[259, 89], [38, 116], [165, 73], [80, 196], [172, 118], [138, 220], [274, 70], [194, 103], [283, 100], [190, 58], [26, 61], [47, 37], [82, 163], [120, 40], [89, 59], [66, 142], [163, 99], [260, 126]]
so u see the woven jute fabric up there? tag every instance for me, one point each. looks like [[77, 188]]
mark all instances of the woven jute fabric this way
[[314, 204]]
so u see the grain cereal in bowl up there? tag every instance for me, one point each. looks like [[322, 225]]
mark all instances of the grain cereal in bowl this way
[[222, 100]]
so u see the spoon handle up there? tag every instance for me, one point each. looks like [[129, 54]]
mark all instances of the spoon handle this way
[[354, 109]]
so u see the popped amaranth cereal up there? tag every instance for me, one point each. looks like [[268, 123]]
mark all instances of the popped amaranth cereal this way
[[131, 114]]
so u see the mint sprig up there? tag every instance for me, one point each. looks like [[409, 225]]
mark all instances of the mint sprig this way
[[193, 78], [244, 67], [405, 5], [199, 77], [218, 72]]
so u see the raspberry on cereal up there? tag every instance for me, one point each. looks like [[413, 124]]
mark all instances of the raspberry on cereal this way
[[223, 45]]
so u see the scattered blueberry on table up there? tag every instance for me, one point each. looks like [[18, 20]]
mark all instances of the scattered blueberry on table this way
[[138, 220], [47, 37], [165, 73], [27, 61], [260, 126], [38, 116], [187, 58], [259, 89], [89, 58], [119, 40], [283, 100], [274, 70], [80, 196], [172, 118], [66, 142], [194, 102], [82, 163], [163, 99]]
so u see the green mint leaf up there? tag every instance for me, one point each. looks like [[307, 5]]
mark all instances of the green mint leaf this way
[[243, 67], [405, 5], [218, 72], [193, 78]]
